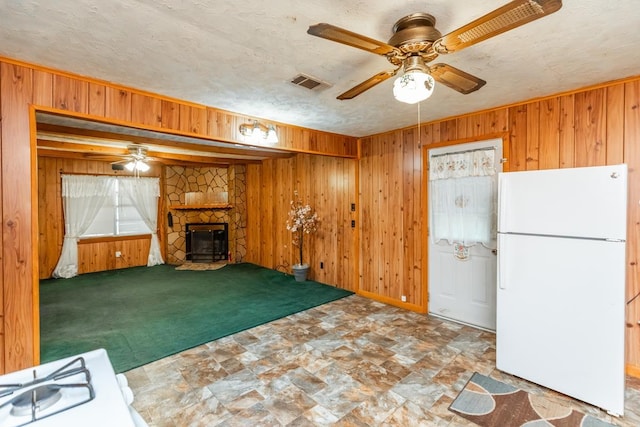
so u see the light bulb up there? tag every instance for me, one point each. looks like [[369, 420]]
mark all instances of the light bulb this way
[[412, 87]]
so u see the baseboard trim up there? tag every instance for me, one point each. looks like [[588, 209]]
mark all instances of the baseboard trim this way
[[633, 371], [392, 301]]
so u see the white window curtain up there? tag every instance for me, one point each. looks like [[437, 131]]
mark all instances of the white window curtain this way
[[82, 199], [463, 197], [143, 194]]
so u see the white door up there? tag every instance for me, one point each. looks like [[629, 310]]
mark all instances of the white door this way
[[464, 290]]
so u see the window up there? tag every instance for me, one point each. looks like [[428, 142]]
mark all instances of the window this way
[[118, 218], [97, 206], [462, 190]]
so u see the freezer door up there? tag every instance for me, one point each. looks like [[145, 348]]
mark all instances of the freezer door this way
[[587, 202], [560, 316]]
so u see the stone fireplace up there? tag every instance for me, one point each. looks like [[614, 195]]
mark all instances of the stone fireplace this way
[[180, 183]]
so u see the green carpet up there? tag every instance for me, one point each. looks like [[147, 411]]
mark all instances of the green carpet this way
[[143, 314]]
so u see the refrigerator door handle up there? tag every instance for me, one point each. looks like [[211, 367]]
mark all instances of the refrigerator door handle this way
[[502, 214], [502, 284]]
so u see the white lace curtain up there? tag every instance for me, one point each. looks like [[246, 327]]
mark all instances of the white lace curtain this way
[[463, 197], [82, 198], [143, 193], [84, 195]]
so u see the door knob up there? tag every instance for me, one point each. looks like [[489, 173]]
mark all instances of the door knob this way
[[494, 251]]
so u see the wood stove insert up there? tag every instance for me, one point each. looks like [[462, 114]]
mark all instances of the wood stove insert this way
[[207, 242]]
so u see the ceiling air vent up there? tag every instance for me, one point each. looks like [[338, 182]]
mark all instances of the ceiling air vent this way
[[309, 82]]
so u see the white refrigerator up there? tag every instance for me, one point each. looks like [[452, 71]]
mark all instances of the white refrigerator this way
[[561, 281]]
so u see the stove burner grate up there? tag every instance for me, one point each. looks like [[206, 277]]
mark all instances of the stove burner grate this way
[[37, 398]]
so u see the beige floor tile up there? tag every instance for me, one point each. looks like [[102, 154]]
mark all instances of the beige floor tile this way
[[352, 362]]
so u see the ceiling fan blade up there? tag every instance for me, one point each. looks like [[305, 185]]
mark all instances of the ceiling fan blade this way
[[340, 35], [456, 79], [367, 84], [104, 156], [505, 18]]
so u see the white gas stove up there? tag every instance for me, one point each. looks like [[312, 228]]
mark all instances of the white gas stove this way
[[81, 390]]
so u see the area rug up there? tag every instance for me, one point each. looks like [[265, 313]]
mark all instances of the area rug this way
[[488, 402], [201, 266]]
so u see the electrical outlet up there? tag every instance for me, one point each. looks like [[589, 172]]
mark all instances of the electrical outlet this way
[[404, 298], [353, 207], [353, 223], [118, 254], [321, 265]]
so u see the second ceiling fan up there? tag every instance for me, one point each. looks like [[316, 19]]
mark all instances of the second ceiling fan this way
[[416, 42]]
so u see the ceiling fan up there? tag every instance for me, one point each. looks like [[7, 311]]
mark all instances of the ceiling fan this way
[[416, 42], [136, 160]]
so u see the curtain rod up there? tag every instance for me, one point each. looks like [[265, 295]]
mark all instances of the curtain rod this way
[[464, 151], [62, 172]]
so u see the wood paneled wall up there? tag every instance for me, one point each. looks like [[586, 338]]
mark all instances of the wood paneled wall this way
[[593, 127], [18, 237], [92, 256], [391, 256], [23, 86], [590, 127], [99, 255], [328, 184]]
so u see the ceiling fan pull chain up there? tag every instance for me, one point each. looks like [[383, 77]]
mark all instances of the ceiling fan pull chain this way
[[419, 141]]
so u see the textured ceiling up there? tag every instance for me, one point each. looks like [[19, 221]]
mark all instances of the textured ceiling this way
[[239, 55]]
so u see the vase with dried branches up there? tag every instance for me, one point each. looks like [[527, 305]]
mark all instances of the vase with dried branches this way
[[302, 220]]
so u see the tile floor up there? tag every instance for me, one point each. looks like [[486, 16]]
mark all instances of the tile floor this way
[[352, 362]]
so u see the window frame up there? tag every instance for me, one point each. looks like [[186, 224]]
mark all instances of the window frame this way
[[115, 235]]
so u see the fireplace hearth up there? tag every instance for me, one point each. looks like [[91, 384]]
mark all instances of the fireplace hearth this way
[[207, 242]]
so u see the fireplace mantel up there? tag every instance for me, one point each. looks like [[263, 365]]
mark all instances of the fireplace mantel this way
[[202, 207]]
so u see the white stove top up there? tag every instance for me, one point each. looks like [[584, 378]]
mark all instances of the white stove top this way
[[108, 408]]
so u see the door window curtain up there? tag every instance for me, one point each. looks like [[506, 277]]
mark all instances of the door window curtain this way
[[143, 194], [82, 199], [463, 197]]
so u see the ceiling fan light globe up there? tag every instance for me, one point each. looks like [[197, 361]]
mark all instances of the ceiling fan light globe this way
[[142, 166], [130, 166], [413, 87]]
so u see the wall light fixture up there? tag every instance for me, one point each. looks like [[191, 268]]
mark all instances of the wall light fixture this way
[[259, 133]]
